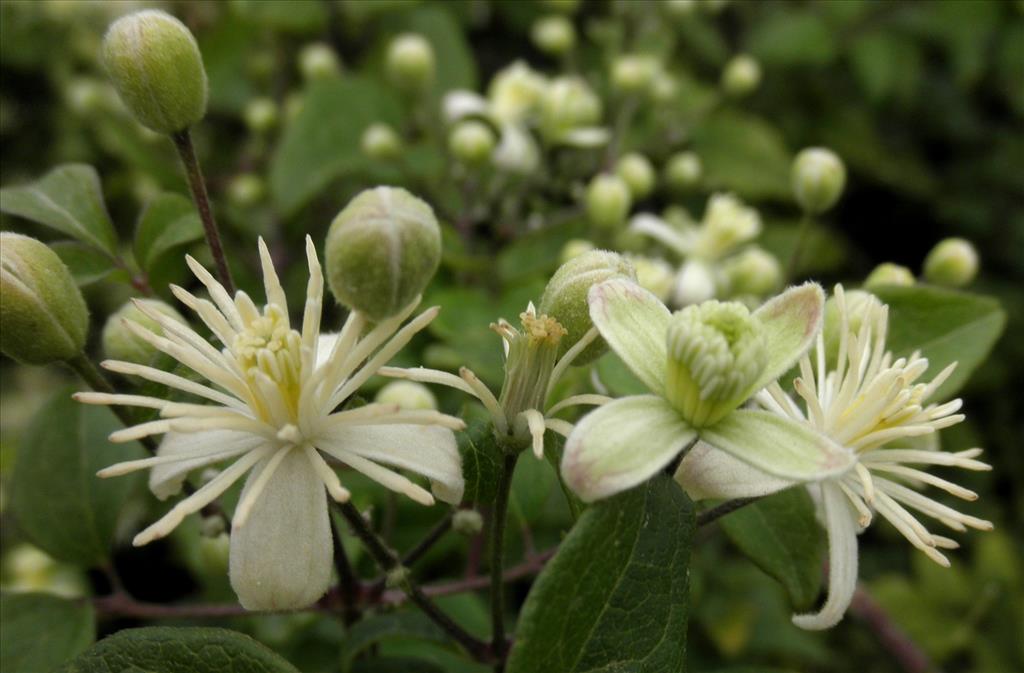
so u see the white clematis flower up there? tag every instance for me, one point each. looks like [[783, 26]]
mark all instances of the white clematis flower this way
[[269, 404], [869, 402]]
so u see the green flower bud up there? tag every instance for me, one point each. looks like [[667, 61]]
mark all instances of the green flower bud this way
[[716, 351], [407, 395], [608, 201], [754, 272], [818, 179], [120, 343], [467, 522], [568, 103], [553, 34], [683, 171], [381, 142], [574, 248], [43, 317], [638, 173], [565, 297], [471, 142], [515, 93], [633, 73], [318, 62], [155, 65], [680, 8], [664, 88], [246, 190], [654, 275], [261, 115], [397, 577], [889, 274], [727, 224], [382, 250], [953, 263], [410, 62], [741, 76]]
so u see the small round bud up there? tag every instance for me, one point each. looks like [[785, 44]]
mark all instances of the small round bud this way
[[261, 115], [382, 250], [753, 272], [553, 35], [694, 283], [574, 248], [410, 62], [654, 275], [517, 151], [318, 62], [741, 76], [407, 395], [43, 317], [727, 224], [683, 171], [246, 190], [87, 96], [818, 179], [471, 142], [716, 352], [638, 173], [633, 73], [664, 88], [121, 343], [953, 263], [889, 274], [568, 103], [467, 522], [381, 142], [608, 201], [565, 297], [155, 65], [515, 93], [680, 8], [397, 577]]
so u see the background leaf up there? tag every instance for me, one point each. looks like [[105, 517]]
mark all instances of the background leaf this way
[[41, 631], [481, 462], [169, 220], [86, 264], [744, 154], [373, 630]]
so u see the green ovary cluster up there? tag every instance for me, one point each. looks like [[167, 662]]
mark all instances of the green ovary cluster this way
[[716, 351]]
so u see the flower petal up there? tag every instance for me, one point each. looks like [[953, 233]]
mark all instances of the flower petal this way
[[707, 472], [621, 445], [779, 446], [792, 321], [281, 558], [166, 479], [634, 323], [841, 523], [426, 450]]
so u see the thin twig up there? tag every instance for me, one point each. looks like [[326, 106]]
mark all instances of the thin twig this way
[[905, 651], [422, 547], [498, 519], [348, 583], [727, 507]]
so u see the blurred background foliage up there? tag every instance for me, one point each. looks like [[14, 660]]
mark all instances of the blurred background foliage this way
[[924, 101]]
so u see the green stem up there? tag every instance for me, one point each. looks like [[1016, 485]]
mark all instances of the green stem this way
[[727, 507], [421, 548], [498, 519], [197, 186], [801, 239]]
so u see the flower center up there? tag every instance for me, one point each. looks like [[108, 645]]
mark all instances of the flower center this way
[[269, 353]]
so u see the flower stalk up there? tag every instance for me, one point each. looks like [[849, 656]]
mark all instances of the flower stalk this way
[[499, 517]]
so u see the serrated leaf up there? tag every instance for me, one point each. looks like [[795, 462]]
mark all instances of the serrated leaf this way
[[744, 154], [162, 649], [781, 535], [946, 326], [41, 631], [616, 596], [373, 630], [69, 199], [56, 497], [168, 221], [86, 264], [481, 463]]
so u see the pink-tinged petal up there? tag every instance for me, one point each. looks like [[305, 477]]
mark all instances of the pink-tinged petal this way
[[707, 472], [791, 322]]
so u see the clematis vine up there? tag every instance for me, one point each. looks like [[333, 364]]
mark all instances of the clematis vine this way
[[872, 403], [271, 404]]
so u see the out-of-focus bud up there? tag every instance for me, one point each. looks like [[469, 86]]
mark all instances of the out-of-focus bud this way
[[246, 190], [741, 76], [121, 343], [410, 63], [381, 142], [261, 115], [461, 103], [728, 222], [214, 551], [608, 201], [86, 96], [317, 61], [565, 297], [664, 88], [889, 274], [638, 173], [568, 103], [634, 73], [155, 65], [574, 248], [517, 151], [683, 171], [515, 93], [381, 251], [26, 568], [471, 142], [408, 395], [694, 283], [680, 8], [554, 34], [860, 306], [818, 179], [952, 262], [654, 275], [753, 272], [467, 522], [43, 317], [562, 6]]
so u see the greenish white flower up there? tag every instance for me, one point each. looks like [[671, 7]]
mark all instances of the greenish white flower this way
[[515, 93]]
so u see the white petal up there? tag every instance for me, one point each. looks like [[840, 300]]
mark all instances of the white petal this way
[[792, 321], [281, 558], [707, 472], [165, 480]]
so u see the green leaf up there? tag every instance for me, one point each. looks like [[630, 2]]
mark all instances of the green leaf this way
[[322, 142], [532, 485], [284, 15], [537, 252], [744, 154], [56, 497], [162, 649], [69, 199], [780, 534], [788, 38], [41, 631], [372, 630], [616, 596], [946, 326], [481, 463], [617, 378], [169, 220], [86, 264]]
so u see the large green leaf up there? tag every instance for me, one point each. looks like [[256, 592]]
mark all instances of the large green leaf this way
[[788, 38], [616, 596], [69, 199], [780, 534], [170, 220], [946, 326], [373, 630], [41, 631], [56, 497], [86, 264], [744, 154], [162, 649]]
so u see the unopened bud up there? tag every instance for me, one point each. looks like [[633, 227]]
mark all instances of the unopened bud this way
[[953, 263], [407, 395], [121, 343], [741, 76], [517, 151], [683, 171], [553, 35], [664, 88], [728, 222], [680, 8], [638, 173], [155, 65], [608, 201], [318, 62], [43, 317], [381, 142], [860, 306], [654, 275], [568, 103], [633, 73], [467, 522], [410, 62], [889, 274], [818, 179], [471, 142], [397, 577], [753, 272], [246, 190], [515, 93], [261, 115], [694, 283], [574, 248], [381, 251]]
